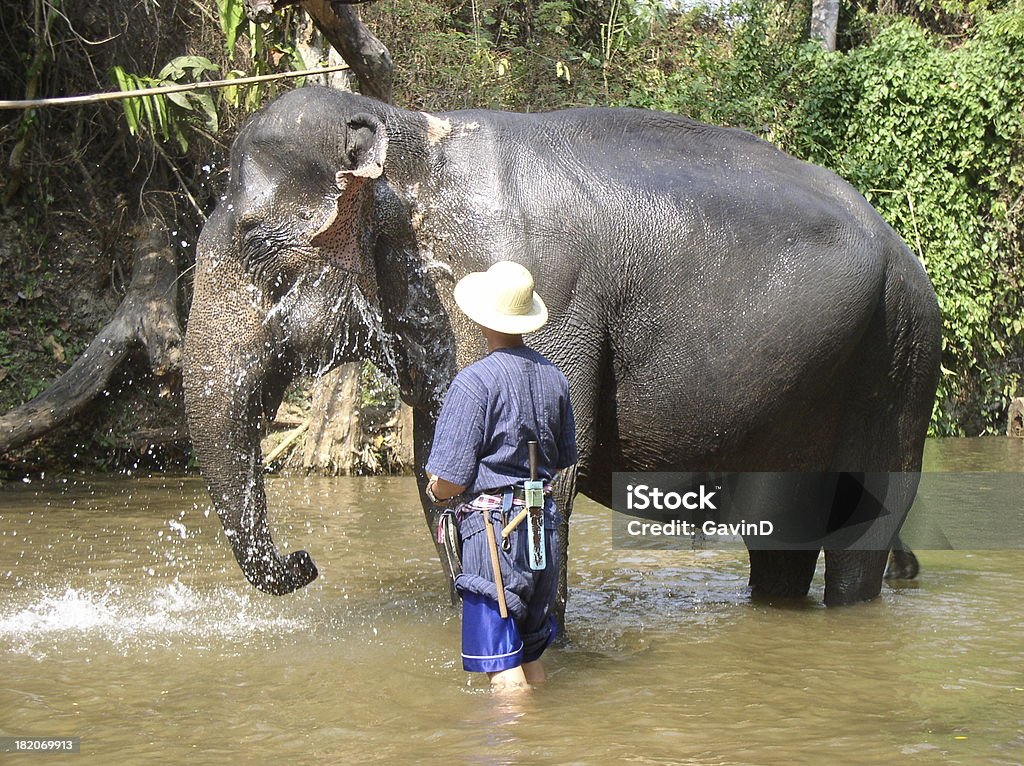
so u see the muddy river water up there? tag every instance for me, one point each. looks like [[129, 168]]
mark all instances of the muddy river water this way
[[124, 621]]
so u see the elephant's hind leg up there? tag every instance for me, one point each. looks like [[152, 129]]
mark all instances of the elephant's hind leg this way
[[854, 572], [852, 576], [903, 564], [892, 382], [781, 574]]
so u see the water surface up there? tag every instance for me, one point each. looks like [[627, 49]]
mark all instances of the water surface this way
[[125, 621]]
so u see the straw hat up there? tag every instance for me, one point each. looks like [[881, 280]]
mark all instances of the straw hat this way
[[502, 299]]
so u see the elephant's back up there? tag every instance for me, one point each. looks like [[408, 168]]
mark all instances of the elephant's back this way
[[645, 150]]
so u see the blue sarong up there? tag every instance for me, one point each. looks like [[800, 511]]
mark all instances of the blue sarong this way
[[490, 643]]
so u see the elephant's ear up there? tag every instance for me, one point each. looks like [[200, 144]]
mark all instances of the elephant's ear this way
[[366, 148]]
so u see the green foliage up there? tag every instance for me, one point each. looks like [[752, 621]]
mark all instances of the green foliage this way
[[163, 117], [932, 137], [231, 14], [375, 388], [167, 115], [743, 65], [506, 55]]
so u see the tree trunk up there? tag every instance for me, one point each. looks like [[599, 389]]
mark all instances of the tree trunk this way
[[368, 56], [340, 24], [311, 46], [402, 435], [146, 318], [824, 22], [334, 440], [1015, 420]]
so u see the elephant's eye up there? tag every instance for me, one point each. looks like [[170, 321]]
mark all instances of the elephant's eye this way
[[247, 223], [306, 215]]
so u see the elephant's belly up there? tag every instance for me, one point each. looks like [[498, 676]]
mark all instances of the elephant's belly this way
[[712, 428]]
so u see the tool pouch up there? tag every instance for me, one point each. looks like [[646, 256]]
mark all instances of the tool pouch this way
[[535, 524]]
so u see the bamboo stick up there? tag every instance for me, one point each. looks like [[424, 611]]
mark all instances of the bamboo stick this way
[[118, 95]]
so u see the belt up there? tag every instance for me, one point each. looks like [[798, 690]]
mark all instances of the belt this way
[[518, 491]]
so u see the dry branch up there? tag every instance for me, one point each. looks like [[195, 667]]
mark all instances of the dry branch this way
[[147, 318], [287, 442]]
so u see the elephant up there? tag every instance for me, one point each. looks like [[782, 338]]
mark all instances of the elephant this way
[[716, 304]]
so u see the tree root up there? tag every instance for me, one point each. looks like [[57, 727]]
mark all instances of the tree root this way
[[146, 318]]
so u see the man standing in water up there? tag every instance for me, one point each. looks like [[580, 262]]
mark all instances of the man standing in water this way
[[491, 412]]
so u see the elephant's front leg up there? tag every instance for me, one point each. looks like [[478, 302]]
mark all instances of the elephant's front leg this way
[[423, 437], [564, 492]]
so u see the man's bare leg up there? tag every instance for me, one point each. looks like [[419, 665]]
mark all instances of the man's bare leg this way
[[508, 680], [534, 672]]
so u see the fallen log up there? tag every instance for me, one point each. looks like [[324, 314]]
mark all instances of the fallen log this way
[[147, 318]]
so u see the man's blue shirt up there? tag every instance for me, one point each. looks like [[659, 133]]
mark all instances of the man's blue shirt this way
[[492, 409]]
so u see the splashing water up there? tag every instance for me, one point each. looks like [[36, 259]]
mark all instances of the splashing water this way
[[38, 625]]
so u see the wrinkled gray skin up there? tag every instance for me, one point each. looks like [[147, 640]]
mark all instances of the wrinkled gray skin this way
[[715, 303]]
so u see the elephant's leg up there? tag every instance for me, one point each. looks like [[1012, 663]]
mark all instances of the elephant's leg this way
[[852, 576], [565, 493], [892, 382], [854, 570], [903, 564], [781, 574], [778, 496], [583, 370]]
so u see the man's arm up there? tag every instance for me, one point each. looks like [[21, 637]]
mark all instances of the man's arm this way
[[457, 439], [440, 491]]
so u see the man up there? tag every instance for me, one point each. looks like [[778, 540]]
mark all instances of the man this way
[[492, 410]]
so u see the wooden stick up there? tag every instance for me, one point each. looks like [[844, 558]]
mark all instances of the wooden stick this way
[[492, 545], [519, 519], [286, 443], [117, 95]]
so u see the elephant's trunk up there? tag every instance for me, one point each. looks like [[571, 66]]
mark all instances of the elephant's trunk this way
[[227, 358]]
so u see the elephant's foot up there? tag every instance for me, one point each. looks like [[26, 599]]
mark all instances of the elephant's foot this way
[[781, 574], [902, 566], [853, 576]]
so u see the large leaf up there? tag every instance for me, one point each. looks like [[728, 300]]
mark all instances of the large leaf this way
[[209, 110], [130, 106], [231, 13], [181, 99], [194, 66]]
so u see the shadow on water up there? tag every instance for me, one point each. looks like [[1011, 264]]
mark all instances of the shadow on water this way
[[124, 620]]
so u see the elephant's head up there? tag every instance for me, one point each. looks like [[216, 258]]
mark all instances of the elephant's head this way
[[285, 283]]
